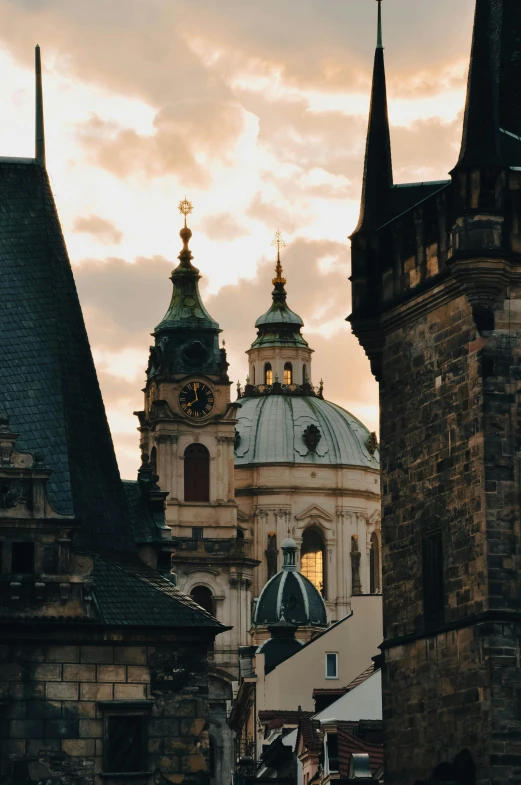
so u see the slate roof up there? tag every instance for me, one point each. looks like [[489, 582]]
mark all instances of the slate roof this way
[[127, 592], [142, 522], [48, 383], [349, 744]]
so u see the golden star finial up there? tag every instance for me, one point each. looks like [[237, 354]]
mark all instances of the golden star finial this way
[[185, 207], [279, 243]]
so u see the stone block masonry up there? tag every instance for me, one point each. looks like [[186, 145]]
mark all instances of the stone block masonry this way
[[56, 700]]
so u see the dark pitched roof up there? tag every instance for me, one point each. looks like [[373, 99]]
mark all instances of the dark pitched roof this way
[[309, 732], [349, 744], [289, 716], [144, 527], [494, 85], [361, 678], [48, 383], [378, 169], [127, 592]]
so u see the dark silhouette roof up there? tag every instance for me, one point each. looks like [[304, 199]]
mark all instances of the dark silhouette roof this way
[[378, 169], [494, 86], [48, 383]]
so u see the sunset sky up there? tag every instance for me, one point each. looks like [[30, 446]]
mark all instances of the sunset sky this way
[[258, 113]]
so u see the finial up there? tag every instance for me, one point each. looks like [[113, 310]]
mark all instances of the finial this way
[[379, 38], [185, 208], [39, 152], [279, 243]]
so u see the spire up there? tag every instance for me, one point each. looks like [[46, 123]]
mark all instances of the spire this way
[[481, 141], [378, 172], [39, 126]]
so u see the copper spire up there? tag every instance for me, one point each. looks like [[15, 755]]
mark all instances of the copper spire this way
[[279, 243]]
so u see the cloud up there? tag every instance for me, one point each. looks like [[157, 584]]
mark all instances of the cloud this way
[[223, 226], [103, 231]]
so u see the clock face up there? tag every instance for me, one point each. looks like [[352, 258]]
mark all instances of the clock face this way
[[196, 400]]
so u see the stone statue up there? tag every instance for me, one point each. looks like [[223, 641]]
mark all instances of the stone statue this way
[[355, 566]]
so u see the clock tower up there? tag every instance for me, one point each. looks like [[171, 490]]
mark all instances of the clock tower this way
[[187, 436]]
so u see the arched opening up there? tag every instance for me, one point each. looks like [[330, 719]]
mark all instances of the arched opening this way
[[153, 459], [304, 373], [312, 561], [268, 374], [288, 373], [203, 597], [240, 534], [197, 473], [374, 564]]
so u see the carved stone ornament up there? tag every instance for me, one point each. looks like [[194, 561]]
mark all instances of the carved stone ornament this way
[[237, 441], [10, 496], [372, 443], [312, 437]]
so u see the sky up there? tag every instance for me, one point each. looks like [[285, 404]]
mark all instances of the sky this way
[[257, 112]]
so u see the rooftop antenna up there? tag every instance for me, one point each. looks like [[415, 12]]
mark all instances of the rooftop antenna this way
[[39, 126]]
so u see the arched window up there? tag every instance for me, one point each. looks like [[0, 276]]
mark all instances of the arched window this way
[[153, 459], [312, 559], [304, 373], [268, 374], [203, 597], [288, 373], [197, 473], [374, 564]]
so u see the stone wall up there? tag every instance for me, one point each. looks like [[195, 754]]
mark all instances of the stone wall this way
[[53, 700], [449, 440]]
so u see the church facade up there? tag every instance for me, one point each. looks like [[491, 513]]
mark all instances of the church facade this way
[[436, 288]]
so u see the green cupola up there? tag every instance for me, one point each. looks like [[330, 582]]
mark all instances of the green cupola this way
[[187, 338]]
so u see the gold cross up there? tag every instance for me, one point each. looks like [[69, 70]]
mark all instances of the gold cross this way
[[278, 242], [185, 207]]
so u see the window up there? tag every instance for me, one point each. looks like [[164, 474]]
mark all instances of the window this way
[[268, 374], [312, 559], [125, 743], [304, 373], [374, 564], [197, 473], [253, 375], [332, 752], [197, 533], [288, 373], [203, 597], [433, 589], [331, 665], [153, 459], [22, 558]]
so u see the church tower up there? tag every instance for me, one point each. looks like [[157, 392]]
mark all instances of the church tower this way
[[187, 436], [436, 280]]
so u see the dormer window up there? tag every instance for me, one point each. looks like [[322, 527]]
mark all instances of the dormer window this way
[[268, 374], [288, 373], [22, 558]]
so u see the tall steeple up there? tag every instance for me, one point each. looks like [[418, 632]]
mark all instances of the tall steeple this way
[[481, 135], [378, 172], [39, 152]]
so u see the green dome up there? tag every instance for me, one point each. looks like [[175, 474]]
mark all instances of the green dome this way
[[300, 429]]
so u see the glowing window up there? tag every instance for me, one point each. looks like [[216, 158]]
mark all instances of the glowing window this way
[[268, 374], [312, 559], [288, 373]]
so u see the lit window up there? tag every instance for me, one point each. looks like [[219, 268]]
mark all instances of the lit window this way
[[288, 373], [331, 665], [268, 374], [312, 559]]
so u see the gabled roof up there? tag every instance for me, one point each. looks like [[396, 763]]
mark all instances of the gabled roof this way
[[48, 383]]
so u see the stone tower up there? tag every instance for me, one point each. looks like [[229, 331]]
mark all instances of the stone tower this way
[[187, 438], [436, 286]]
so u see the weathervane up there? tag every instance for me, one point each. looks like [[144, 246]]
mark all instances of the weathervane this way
[[185, 207], [279, 243]]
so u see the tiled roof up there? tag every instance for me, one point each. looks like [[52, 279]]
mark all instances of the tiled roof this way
[[289, 716], [127, 592], [349, 744], [48, 384], [141, 519], [360, 679], [308, 731]]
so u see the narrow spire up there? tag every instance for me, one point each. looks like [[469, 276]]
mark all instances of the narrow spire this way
[[279, 243], [185, 257], [379, 38], [39, 126], [481, 141], [378, 170]]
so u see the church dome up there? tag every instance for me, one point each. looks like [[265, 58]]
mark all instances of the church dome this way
[[305, 429], [290, 597]]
